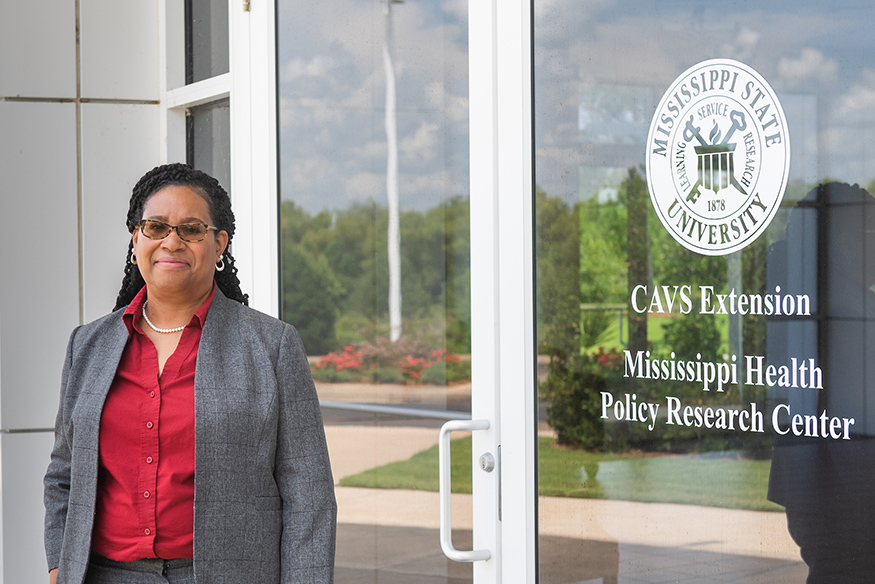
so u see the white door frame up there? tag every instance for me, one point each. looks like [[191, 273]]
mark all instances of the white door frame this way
[[502, 286]]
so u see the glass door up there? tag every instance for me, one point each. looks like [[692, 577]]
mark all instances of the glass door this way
[[704, 278], [375, 265]]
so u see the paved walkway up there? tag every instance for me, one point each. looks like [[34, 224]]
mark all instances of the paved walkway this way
[[354, 449], [391, 536], [395, 394]]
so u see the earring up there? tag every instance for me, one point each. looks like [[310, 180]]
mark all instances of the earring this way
[[220, 265], [133, 259]]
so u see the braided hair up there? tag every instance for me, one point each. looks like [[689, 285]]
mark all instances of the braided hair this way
[[219, 203]]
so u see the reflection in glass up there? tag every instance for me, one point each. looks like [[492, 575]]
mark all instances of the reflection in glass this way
[[333, 166], [206, 39], [643, 499], [824, 459], [341, 157], [208, 140]]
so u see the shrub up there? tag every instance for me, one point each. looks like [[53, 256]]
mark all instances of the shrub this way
[[404, 361], [573, 387], [436, 374], [386, 375]]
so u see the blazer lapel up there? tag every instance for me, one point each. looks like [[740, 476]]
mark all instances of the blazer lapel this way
[[106, 352], [219, 341]]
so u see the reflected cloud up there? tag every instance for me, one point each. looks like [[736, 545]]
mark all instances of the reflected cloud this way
[[332, 82], [305, 111], [301, 172], [743, 47], [374, 149], [811, 66], [318, 66], [332, 101], [829, 86], [455, 106], [422, 144], [858, 104], [432, 185], [365, 185]]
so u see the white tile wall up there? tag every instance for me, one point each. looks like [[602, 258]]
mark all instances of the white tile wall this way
[[119, 48], [40, 166], [38, 49], [24, 458], [39, 263], [119, 144]]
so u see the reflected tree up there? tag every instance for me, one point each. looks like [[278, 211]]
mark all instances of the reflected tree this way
[[557, 249], [638, 247], [335, 268]]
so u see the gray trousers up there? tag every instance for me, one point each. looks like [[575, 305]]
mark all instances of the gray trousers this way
[[151, 571]]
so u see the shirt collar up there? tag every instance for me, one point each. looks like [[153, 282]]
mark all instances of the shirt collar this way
[[135, 309]]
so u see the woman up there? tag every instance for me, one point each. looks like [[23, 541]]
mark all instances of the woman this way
[[188, 444]]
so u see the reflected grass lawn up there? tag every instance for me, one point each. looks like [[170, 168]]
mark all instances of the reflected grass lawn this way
[[610, 337], [714, 480]]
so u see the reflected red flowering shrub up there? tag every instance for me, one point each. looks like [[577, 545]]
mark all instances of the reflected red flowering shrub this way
[[349, 358], [608, 362], [404, 361]]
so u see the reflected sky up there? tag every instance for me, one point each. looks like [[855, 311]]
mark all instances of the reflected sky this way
[[332, 101], [615, 59], [332, 88]]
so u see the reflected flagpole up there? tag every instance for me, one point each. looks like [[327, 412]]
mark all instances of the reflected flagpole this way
[[394, 244]]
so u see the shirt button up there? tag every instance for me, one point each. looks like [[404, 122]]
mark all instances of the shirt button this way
[[149, 425], [147, 531], [151, 394], [148, 460], [146, 494]]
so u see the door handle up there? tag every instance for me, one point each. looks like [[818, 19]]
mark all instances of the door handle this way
[[445, 490]]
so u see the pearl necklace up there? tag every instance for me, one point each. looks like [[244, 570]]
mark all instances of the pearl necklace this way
[[155, 328]]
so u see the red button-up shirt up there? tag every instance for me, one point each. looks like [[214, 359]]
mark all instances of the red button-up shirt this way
[[145, 490]]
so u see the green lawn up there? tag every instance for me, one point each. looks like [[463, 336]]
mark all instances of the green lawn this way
[[689, 479], [610, 337]]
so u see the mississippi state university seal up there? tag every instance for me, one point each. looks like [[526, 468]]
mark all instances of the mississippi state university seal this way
[[718, 157]]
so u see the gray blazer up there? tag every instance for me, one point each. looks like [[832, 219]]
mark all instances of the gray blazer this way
[[264, 508]]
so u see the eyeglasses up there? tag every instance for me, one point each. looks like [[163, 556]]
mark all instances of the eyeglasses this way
[[190, 232]]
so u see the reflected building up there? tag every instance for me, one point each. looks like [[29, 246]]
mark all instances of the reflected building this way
[[824, 482]]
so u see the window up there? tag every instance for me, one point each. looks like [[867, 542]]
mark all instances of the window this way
[[219, 114]]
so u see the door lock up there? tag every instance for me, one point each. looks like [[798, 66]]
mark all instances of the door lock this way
[[487, 462]]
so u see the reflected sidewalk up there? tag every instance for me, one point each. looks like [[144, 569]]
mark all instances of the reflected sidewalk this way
[[393, 393], [395, 532]]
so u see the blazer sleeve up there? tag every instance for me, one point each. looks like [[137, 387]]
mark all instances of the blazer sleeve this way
[[56, 492], [303, 472]]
